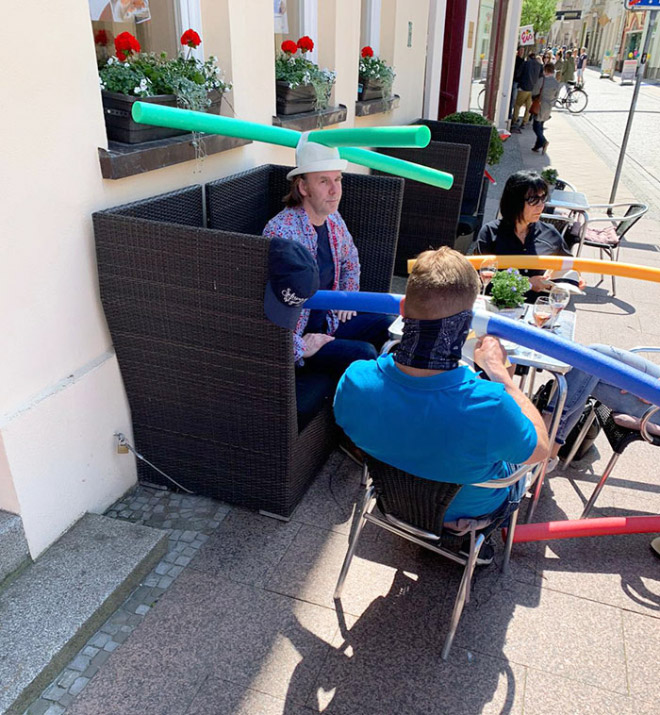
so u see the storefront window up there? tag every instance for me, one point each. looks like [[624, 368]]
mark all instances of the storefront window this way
[[293, 19], [154, 23], [481, 54]]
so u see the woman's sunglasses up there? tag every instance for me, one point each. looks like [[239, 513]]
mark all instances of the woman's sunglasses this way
[[536, 200]]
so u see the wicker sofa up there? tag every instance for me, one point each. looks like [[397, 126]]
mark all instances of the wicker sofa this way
[[429, 218], [476, 185], [209, 380]]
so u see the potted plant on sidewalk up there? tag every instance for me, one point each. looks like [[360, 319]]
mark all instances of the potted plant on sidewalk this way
[[550, 175], [375, 77], [132, 75], [496, 147], [507, 293], [301, 86]]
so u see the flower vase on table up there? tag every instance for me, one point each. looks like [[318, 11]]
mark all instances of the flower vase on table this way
[[507, 294]]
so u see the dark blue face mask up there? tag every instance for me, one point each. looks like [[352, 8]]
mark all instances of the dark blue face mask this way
[[433, 344]]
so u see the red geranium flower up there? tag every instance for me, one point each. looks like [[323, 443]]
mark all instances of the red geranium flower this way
[[125, 44], [290, 47], [306, 44], [191, 39], [367, 51], [101, 37]]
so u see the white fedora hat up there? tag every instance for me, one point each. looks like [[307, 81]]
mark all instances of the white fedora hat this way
[[567, 279], [311, 157]]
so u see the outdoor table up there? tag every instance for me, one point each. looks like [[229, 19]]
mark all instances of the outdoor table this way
[[571, 200], [520, 355]]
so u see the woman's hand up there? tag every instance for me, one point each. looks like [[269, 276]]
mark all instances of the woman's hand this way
[[314, 342], [345, 315]]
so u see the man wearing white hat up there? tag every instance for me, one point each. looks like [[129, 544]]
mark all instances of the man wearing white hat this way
[[333, 338]]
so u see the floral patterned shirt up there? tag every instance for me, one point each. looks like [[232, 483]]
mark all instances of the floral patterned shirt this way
[[294, 224]]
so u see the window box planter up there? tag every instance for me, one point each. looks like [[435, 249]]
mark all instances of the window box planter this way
[[370, 89], [119, 123], [294, 100]]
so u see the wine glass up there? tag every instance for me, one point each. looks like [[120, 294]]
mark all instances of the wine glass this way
[[487, 270], [542, 311], [559, 299]]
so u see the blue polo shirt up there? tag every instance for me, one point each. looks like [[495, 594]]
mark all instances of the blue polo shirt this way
[[451, 427]]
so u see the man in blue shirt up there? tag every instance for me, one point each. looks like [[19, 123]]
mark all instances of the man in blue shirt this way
[[420, 411]]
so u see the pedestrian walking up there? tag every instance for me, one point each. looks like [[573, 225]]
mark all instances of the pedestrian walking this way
[[547, 89], [559, 65], [517, 72], [531, 71], [581, 64]]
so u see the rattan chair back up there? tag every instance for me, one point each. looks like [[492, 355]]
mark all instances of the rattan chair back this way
[[422, 503], [429, 217]]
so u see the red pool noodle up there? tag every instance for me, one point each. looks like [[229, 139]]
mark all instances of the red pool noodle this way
[[605, 526]]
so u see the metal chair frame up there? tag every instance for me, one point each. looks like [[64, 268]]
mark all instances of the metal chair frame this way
[[428, 539], [602, 413], [636, 209]]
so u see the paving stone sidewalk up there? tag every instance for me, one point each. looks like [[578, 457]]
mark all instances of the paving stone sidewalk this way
[[238, 618]]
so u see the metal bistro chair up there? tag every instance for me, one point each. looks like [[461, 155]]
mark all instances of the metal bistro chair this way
[[620, 430], [607, 236], [414, 508]]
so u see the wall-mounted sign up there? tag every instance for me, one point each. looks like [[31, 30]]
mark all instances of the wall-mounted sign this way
[[569, 14], [526, 35], [642, 4]]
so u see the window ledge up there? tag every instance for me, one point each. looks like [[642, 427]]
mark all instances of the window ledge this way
[[308, 121], [121, 160], [376, 106]]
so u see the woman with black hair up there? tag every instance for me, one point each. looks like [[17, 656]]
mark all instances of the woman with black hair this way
[[520, 232]]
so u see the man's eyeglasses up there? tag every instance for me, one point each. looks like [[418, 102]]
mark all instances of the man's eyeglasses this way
[[536, 200]]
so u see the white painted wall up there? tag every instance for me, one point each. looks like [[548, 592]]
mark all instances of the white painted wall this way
[[471, 16], [435, 45], [508, 64]]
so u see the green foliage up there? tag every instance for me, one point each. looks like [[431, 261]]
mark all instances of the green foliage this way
[[540, 13], [508, 288], [549, 175], [496, 147], [297, 70], [376, 69], [149, 74]]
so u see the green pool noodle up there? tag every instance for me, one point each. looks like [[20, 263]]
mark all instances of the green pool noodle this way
[[175, 118], [417, 136]]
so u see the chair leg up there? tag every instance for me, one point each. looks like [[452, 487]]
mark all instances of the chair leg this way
[[580, 438], [513, 520], [461, 596], [365, 475], [353, 540], [601, 484], [614, 257]]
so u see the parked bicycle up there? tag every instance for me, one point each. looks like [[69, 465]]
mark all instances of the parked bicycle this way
[[573, 97]]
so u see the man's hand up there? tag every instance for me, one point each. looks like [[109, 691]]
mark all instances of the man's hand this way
[[345, 315], [491, 357], [540, 283], [314, 342]]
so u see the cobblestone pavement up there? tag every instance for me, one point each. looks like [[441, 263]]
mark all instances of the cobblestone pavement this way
[[189, 520], [603, 123]]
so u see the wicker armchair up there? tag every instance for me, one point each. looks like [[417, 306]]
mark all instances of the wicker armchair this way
[[476, 188], [210, 381], [429, 218]]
